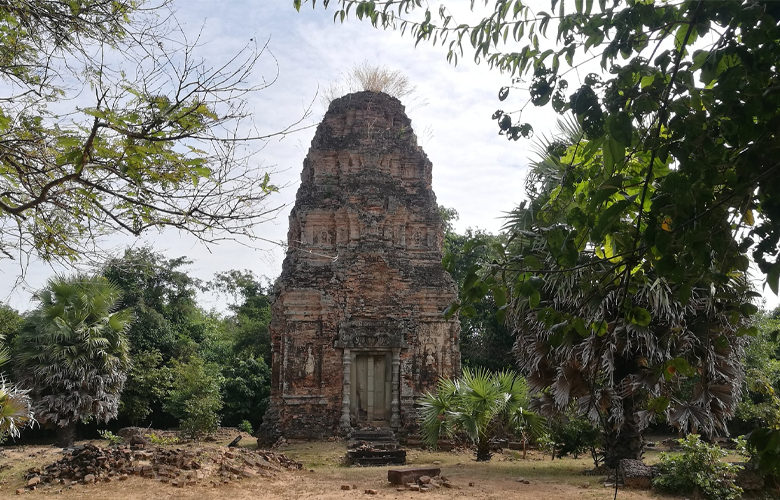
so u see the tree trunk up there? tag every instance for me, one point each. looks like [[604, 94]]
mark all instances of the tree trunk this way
[[66, 435], [624, 442], [483, 450]]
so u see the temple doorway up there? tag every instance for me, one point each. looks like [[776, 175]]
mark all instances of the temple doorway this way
[[371, 386]]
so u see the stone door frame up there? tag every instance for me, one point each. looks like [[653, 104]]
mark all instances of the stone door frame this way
[[345, 425]]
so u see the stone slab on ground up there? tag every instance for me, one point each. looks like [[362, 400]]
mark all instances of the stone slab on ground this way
[[411, 474], [636, 474]]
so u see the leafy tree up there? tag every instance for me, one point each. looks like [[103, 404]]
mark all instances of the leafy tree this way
[[673, 357], [10, 322], [195, 398], [251, 312], [575, 436], [162, 296], [148, 382], [475, 404], [168, 325], [72, 353], [485, 341], [149, 143], [242, 347], [759, 407], [246, 392]]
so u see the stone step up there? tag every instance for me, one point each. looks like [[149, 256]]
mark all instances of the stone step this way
[[376, 457], [351, 445], [376, 435]]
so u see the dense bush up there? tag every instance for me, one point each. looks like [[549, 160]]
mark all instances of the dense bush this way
[[698, 468], [195, 399], [575, 436]]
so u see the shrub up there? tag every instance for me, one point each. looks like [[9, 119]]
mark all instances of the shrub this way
[[575, 436], [546, 444], [110, 437], [698, 468], [245, 426], [162, 440], [195, 399]]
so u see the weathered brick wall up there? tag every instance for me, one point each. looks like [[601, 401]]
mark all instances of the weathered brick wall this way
[[363, 270]]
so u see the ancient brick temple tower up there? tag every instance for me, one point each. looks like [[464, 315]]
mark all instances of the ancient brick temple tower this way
[[357, 331]]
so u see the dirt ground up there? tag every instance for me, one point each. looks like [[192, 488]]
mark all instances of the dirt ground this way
[[323, 477]]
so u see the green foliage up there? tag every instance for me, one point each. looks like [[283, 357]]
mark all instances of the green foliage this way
[[162, 296], [484, 339], [195, 398], [168, 325], [72, 352], [251, 312], [109, 436], [759, 406], [575, 436], [139, 134], [589, 324], [474, 404], [698, 468], [246, 391], [171, 329], [10, 323], [148, 381], [241, 345], [162, 440], [764, 448], [758, 413], [245, 426], [547, 444]]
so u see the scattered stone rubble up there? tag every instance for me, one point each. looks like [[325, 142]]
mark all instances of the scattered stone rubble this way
[[176, 466], [417, 479]]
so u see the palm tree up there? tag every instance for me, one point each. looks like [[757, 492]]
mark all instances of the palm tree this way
[[15, 404], [616, 340], [73, 354], [475, 404]]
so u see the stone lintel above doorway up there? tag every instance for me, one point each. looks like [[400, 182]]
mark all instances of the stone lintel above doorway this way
[[372, 334]]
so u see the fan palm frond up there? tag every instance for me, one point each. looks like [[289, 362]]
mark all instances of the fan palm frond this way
[[473, 404], [15, 410]]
